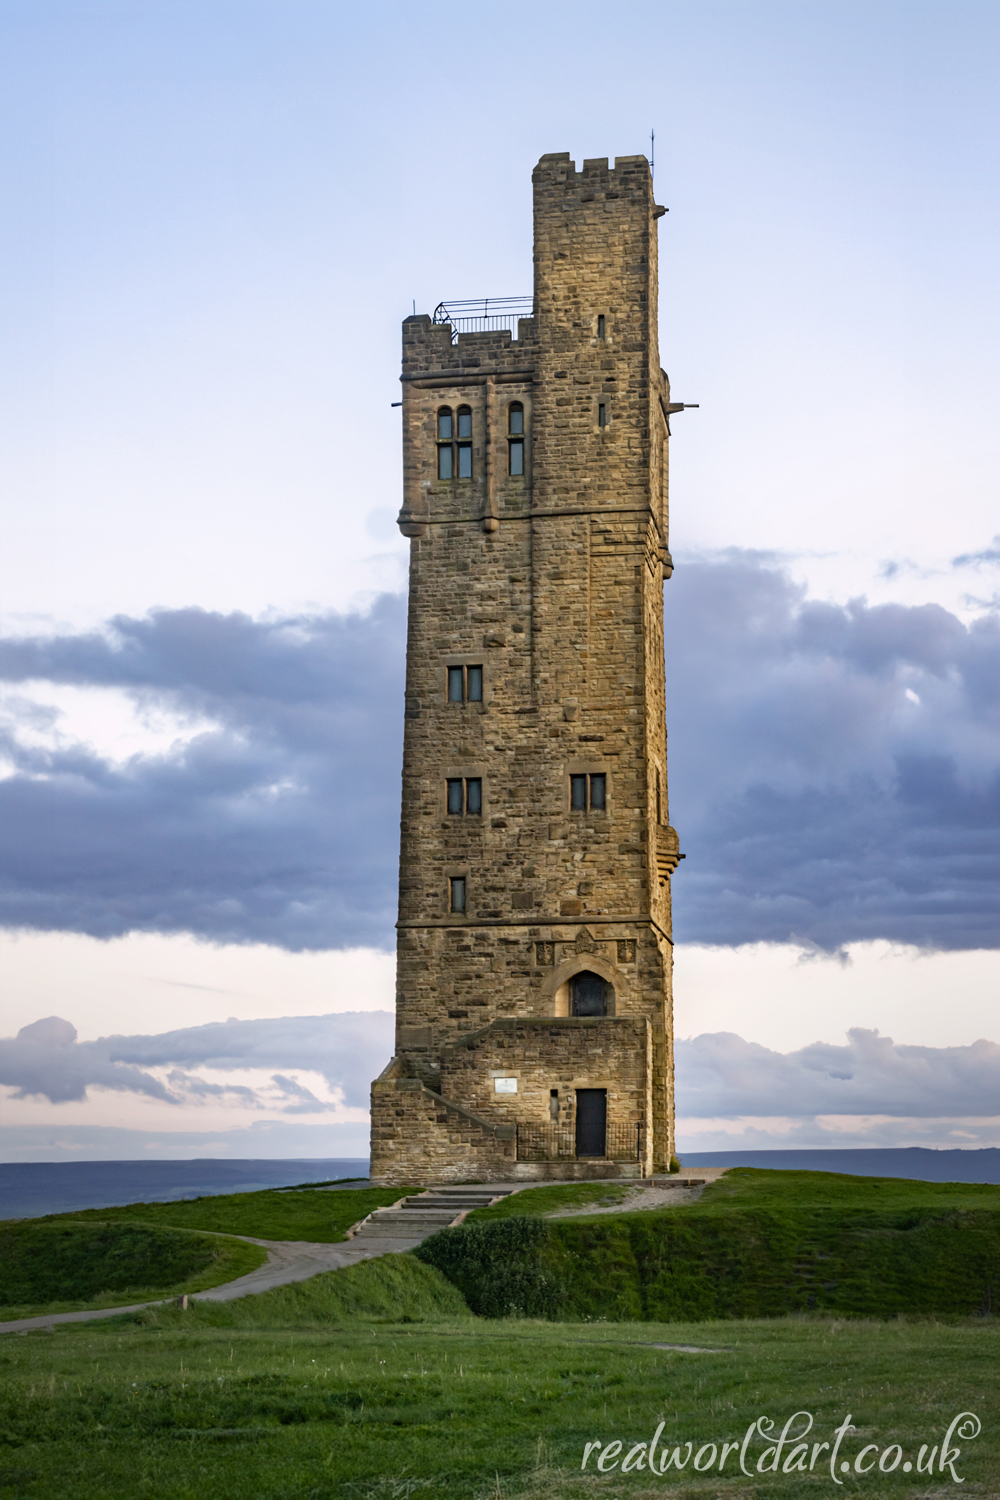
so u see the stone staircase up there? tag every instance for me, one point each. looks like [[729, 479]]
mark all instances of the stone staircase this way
[[413, 1219]]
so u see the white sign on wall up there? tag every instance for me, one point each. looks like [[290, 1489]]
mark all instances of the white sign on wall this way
[[505, 1085]]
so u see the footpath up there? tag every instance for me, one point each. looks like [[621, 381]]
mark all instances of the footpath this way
[[387, 1231]]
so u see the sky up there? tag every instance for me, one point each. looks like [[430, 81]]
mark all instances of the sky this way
[[215, 217]]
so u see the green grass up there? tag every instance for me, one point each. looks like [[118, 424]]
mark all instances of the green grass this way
[[785, 1190], [63, 1267], [535, 1202], [274, 1214], [473, 1410], [757, 1244], [388, 1289]]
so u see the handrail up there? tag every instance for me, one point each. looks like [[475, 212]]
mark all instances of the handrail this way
[[483, 314]]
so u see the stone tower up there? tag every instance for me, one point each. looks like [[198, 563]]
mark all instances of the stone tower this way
[[534, 1006]]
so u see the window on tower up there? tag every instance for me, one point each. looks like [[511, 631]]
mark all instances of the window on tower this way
[[588, 792], [465, 796], [515, 439], [600, 325], [454, 459], [456, 886], [465, 684]]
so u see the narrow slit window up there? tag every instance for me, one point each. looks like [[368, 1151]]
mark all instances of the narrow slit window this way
[[465, 421], [515, 419], [600, 325], [444, 426], [444, 460], [455, 798], [578, 793], [454, 684], [602, 415], [598, 792], [457, 885], [474, 796], [465, 460], [475, 684], [516, 465]]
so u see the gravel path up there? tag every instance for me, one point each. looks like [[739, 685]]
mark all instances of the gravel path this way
[[287, 1261], [649, 1195], [386, 1231]]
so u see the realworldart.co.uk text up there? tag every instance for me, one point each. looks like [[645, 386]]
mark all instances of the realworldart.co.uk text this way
[[787, 1453]]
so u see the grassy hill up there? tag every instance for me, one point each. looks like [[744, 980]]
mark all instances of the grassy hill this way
[[272, 1214], [757, 1244], [61, 1267], [376, 1382], [292, 1408]]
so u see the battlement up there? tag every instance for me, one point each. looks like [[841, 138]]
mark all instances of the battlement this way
[[431, 348], [557, 179]]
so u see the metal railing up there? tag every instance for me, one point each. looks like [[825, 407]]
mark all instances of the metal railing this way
[[484, 314], [622, 1142]]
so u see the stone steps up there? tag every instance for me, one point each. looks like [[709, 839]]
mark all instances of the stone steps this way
[[408, 1223]]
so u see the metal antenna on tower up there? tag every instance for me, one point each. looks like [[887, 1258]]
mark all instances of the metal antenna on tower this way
[[652, 153]]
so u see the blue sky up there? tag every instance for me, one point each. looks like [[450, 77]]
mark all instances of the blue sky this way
[[216, 216]]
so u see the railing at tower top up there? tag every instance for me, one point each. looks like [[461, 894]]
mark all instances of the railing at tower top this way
[[484, 314], [622, 1142]]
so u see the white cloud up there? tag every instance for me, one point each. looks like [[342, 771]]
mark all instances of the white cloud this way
[[178, 980], [734, 1095]]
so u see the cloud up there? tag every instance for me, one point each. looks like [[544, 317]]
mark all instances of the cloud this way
[[270, 1139], [347, 1049], [45, 1058], [979, 559], [277, 825], [721, 1076], [731, 1094], [834, 770]]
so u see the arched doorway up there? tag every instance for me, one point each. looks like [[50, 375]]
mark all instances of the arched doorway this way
[[588, 994]]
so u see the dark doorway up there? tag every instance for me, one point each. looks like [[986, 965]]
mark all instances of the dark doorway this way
[[591, 1122], [589, 992]]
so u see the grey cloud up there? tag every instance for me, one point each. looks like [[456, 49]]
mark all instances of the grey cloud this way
[[893, 1133], [978, 559], [348, 1049], [279, 825], [45, 1058], [834, 770], [720, 1076]]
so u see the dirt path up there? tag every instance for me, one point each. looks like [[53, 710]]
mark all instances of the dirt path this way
[[386, 1231], [647, 1197]]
